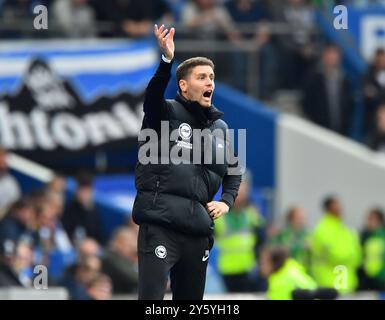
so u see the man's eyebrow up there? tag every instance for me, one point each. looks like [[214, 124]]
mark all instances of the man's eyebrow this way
[[203, 74]]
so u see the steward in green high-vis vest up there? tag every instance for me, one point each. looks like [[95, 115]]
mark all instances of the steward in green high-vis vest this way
[[294, 236], [374, 255], [238, 235], [335, 251], [284, 274], [373, 245], [236, 238]]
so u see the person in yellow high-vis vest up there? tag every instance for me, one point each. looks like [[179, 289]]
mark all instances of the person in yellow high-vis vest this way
[[373, 246], [294, 235], [287, 278], [238, 235], [335, 250]]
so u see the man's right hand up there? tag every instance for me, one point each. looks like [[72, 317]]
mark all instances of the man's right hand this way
[[165, 40]]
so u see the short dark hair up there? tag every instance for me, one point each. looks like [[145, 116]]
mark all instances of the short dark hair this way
[[278, 256], [330, 46], [290, 214], [380, 51], [328, 202], [97, 278], [84, 179], [22, 203], [186, 66], [379, 214]]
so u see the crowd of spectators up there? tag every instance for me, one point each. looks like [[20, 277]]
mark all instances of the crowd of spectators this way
[[256, 257], [259, 47], [66, 235]]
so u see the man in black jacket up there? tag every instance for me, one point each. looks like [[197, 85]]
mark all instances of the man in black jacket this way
[[327, 94], [174, 206], [80, 218]]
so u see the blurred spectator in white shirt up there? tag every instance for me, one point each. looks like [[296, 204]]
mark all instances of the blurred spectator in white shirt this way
[[75, 18]]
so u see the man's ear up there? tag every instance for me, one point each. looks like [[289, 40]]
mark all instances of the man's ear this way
[[183, 85]]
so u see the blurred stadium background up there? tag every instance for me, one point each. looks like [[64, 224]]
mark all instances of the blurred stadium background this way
[[310, 96]]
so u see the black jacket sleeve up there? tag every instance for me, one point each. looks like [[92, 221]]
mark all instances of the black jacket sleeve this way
[[154, 103], [230, 186], [232, 180]]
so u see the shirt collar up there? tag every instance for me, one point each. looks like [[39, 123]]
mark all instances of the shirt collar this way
[[201, 113]]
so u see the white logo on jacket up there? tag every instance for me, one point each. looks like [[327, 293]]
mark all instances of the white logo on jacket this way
[[185, 131], [161, 252], [206, 256]]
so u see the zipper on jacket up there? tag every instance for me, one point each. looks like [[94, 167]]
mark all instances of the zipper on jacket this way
[[156, 191]]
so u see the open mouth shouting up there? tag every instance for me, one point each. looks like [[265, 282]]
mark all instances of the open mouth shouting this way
[[207, 95]]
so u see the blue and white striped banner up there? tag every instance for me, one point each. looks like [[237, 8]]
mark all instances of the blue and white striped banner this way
[[93, 67], [62, 97]]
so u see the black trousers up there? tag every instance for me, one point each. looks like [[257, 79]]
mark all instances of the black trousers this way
[[163, 252]]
